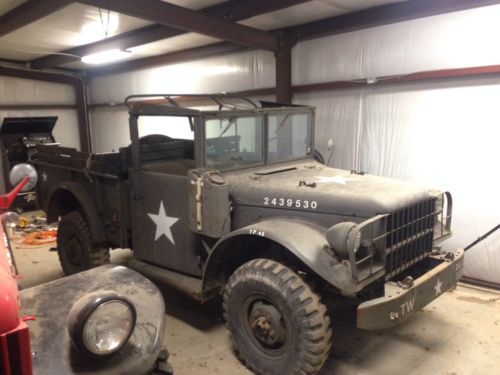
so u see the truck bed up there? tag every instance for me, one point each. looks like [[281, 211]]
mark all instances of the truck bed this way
[[103, 180], [111, 164], [71, 180]]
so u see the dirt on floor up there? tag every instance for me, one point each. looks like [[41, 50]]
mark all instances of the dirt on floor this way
[[457, 334]]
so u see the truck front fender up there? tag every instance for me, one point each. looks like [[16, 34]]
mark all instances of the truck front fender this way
[[69, 196], [304, 239]]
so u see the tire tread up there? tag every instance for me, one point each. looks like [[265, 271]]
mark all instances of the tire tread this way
[[317, 338]]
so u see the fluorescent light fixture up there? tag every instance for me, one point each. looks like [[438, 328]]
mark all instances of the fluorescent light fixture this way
[[106, 56]]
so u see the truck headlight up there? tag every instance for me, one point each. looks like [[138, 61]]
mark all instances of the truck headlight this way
[[343, 238], [101, 323]]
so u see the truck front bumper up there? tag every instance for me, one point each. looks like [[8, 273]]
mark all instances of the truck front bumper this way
[[402, 301]]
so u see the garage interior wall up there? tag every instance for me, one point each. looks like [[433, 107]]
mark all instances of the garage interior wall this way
[[442, 134], [15, 91]]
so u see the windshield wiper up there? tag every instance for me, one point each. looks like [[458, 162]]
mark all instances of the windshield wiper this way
[[282, 123], [231, 121]]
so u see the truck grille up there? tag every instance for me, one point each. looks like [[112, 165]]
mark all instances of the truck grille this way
[[409, 236]]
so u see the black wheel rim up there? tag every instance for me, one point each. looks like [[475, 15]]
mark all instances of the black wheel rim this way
[[266, 325]]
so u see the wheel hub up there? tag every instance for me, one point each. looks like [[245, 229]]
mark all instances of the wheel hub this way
[[267, 325]]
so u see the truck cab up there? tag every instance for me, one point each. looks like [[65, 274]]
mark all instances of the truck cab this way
[[244, 207]]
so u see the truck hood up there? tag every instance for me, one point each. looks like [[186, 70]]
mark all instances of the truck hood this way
[[311, 186]]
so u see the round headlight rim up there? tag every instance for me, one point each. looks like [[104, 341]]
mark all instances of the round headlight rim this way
[[79, 319], [125, 340], [343, 238]]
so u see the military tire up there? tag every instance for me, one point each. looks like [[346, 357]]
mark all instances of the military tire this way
[[74, 245], [277, 324]]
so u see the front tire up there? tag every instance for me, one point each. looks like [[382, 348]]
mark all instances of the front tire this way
[[74, 245], [278, 325]]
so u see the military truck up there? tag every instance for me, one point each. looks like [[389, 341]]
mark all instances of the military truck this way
[[107, 320], [239, 203]]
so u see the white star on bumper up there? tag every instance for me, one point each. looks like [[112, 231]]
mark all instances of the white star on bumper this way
[[163, 223], [438, 286]]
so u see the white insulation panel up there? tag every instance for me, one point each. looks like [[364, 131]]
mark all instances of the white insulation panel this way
[[25, 91], [439, 134], [15, 91], [66, 128]]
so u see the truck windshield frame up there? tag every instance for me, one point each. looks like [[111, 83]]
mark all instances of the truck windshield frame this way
[[234, 141], [241, 140], [289, 136]]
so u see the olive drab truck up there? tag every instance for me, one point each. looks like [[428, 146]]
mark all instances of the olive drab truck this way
[[238, 203]]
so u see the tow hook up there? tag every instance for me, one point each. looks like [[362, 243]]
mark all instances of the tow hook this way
[[449, 257]]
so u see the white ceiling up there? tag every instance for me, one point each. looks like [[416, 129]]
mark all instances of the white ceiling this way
[[79, 24]]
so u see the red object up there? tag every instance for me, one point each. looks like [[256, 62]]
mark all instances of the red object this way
[[7, 199], [15, 352]]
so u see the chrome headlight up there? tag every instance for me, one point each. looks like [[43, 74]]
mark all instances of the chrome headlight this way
[[343, 238], [101, 323]]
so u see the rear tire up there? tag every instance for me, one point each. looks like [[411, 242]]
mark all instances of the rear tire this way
[[278, 325], [74, 245]]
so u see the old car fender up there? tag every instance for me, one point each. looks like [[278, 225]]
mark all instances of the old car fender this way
[[85, 203], [304, 239], [51, 303]]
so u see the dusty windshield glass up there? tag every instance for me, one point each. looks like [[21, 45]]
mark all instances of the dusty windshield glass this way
[[289, 136], [231, 142]]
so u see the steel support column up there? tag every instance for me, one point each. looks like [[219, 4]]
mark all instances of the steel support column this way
[[83, 118], [283, 67], [81, 97]]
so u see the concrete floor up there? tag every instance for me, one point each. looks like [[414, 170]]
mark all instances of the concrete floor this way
[[457, 334]]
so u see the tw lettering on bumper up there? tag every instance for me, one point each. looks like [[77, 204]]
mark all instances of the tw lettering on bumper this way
[[399, 304]]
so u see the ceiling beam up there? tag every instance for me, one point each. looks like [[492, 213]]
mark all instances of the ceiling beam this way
[[223, 48], [371, 17], [29, 12], [234, 10], [163, 13], [126, 40], [39, 76], [382, 15]]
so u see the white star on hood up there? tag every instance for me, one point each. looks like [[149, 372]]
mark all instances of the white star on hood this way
[[328, 179], [163, 223]]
